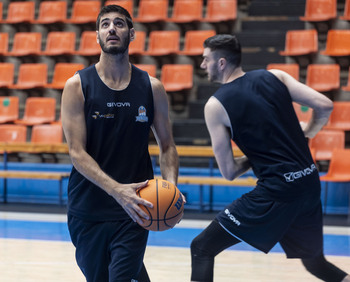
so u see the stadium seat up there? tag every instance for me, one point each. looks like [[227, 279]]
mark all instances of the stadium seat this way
[[88, 45], [60, 43], [221, 10], [126, 4], [47, 134], [162, 43], [20, 12], [177, 77], [1, 11], [13, 133], [137, 47], [300, 42], [7, 74], [151, 69], [26, 44], [303, 113], [325, 142], [291, 69], [338, 43], [320, 10], [9, 109], [340, 116], [4, 43], [62, 72], [31, 76], [346, 13], [152, 11], [186, 11], [323, 77], [51, 12], [84, 12], [193, 45], [38, 110]]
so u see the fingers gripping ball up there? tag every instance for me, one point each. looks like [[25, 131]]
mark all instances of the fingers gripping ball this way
[[168, 205]]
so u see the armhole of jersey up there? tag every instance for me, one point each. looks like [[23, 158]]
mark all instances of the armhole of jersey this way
[[81, 85], [227, 116]]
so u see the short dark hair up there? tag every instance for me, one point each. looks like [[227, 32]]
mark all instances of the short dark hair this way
[[227, 46], [116, 9]]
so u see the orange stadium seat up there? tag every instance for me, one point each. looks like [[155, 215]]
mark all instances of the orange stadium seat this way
[[38, 110], [340, 116], [300, 42], [26, 44], [151, 69], [291, 69], [177, 77], [137, 47], [323, 77], [7, 74], [221, 10], [126, 4], [88, 45], [31, 76], [162, 43], [325, 142], [8, 109], [47, 134], [20, 12], [185, 11], [62, 72], [320, 10], [52, 12], [84, 12], [60, 43], [194, 39], [303, 113], [13, 133], [152, 11], [4, 43], [346, 13], [1, 7], [338, 43]]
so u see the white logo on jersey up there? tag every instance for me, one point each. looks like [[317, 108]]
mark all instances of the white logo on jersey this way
[[291, 176], [232, 217], [118, 104]]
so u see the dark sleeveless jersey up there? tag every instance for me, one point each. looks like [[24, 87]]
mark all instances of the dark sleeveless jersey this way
[[266, 129], [117, 126]]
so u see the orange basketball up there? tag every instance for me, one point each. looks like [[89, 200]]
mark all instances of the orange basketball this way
[[168, 205]]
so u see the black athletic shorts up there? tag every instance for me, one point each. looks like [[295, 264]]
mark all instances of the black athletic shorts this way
[[261, 223], [108, 251]]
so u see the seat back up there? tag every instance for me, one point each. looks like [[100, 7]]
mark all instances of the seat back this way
[[126, 4], [7, 74], [60, 43], [338, 43], [339, 165], [1, 7], [323, 77], [85, 11], [152, 11], [8, 109], [291, 69], [151, 69], [31, 76], [221, 10], [185, 11], [4, 43], [52, 12], [346, 14], [194, 41], [20, 12], [26, 43], [164, 42], [177, 77], [325, 142], [88, 45], [300, 42], [62, 72], [47, 133], [340, 116], [320, 10], [137, 47], [303, 113], [13, 133], [39, 110]]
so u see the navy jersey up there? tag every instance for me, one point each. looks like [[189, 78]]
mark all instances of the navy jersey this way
[[117, 125], [266, 129]]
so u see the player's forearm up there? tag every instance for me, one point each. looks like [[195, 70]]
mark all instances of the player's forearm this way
[[318, 120], [169, 164]]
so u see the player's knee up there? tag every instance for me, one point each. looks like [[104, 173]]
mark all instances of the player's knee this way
[[198, 248]]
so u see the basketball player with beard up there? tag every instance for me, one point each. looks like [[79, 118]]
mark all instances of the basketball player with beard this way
[[108, 110]]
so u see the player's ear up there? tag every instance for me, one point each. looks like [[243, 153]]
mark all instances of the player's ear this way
[[222, 63], [132, 34]]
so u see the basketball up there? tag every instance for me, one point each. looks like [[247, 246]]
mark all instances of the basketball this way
[[168, 205]]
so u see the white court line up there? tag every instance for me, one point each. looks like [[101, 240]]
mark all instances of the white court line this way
[[185, 223]]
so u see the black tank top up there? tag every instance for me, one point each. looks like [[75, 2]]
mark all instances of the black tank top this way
[[266, 129], [117, 126]]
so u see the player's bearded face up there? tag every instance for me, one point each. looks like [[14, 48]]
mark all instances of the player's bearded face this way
[[115, 49], [213, 73]]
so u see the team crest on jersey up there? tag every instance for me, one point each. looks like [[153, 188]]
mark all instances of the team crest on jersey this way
[[142, 117]]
